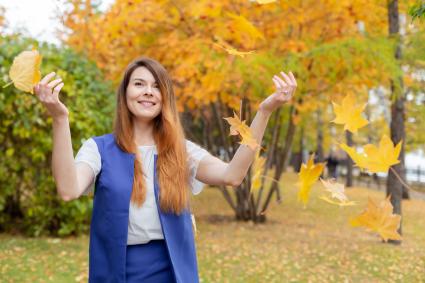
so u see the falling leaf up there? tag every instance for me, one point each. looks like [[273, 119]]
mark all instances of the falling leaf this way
[[349, 114], [239, 127], [375, 159], [308, 175], [242, 24], [25, 70], [257, 171], [231, 50], [262, 2], [379, 219], [340, 203], [337, 190]]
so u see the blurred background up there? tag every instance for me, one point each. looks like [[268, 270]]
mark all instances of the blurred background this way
[[374, 50]]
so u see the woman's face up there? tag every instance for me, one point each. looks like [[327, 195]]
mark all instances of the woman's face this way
[[144, 98]]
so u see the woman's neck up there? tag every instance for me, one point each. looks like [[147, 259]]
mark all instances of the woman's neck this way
[[143, 133]]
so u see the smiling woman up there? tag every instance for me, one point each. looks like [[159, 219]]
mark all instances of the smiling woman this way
[[143, 90], [141, 224]]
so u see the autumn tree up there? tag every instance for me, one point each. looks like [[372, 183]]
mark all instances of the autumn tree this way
[[222, 55]]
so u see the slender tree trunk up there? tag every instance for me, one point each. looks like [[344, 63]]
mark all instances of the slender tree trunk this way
[[288, 139], [394, 186], [349, 180], [319, 149], [279, 165]]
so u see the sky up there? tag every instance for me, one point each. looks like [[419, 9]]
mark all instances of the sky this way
[[37, 18]]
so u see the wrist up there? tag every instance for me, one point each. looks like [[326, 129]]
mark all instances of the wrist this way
[[264, 113], [60, 119]]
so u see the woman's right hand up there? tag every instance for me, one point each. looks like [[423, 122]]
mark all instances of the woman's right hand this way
[[47, 90]]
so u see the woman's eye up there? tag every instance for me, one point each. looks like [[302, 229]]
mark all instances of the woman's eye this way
[[138, 83]]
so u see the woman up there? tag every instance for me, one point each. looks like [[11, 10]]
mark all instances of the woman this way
[[141, 229]]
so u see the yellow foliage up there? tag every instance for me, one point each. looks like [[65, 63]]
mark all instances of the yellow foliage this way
[[349, 114], [308, 175], [375, 159], [239, 127], [257, 170], [379, 219]]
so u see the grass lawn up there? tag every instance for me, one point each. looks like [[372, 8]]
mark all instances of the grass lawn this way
[[315, 244]]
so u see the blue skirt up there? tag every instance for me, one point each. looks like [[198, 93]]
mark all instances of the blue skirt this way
[[149, 263]]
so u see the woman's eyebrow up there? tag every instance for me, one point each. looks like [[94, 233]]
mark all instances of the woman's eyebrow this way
[[139, 79]]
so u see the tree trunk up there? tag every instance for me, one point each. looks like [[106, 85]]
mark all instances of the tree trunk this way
[[288, 138], [394, 186], [280, 162], [319, 149], [349, 180]]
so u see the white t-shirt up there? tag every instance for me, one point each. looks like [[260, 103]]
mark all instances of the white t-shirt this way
[[144, 224]]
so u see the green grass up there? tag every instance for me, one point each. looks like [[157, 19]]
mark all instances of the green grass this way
[[315, 244]]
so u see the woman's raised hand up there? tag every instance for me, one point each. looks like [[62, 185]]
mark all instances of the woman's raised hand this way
[[285, 89], [47, 90]]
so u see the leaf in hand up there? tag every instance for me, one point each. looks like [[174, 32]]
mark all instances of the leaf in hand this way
[[337, 191], [379, 219], [376, 159], [308, 175], [239, 127], [25, 70], [349, 114]]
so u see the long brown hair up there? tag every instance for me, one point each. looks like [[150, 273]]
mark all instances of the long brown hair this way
[[172, 170]]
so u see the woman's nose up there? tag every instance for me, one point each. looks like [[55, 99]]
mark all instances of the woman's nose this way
[[149, 90]]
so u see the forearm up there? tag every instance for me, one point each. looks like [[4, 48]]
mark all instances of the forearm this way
[[244, 156], [63, 166]]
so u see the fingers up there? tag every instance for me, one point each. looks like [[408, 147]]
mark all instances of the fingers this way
[[276, 82], [54, 83], [57, 89], [280, 82], [47, 78], [286, 78], [293, 78]]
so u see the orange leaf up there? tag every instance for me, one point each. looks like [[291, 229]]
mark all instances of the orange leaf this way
[[239, 127], [379, 219]]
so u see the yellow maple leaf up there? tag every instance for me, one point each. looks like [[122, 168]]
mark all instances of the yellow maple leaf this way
[[349, 114], [240, 23], [25, 70], [337, 191], [381, 158], [340, 203], [375, 159], [262, 2], [379, 219], [308, 175], [231, 50], [239, 127], [257, 171]]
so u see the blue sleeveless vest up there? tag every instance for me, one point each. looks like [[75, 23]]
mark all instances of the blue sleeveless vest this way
[[109, 224]]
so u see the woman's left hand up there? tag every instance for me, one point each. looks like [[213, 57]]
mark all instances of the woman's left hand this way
[[285, 89]]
